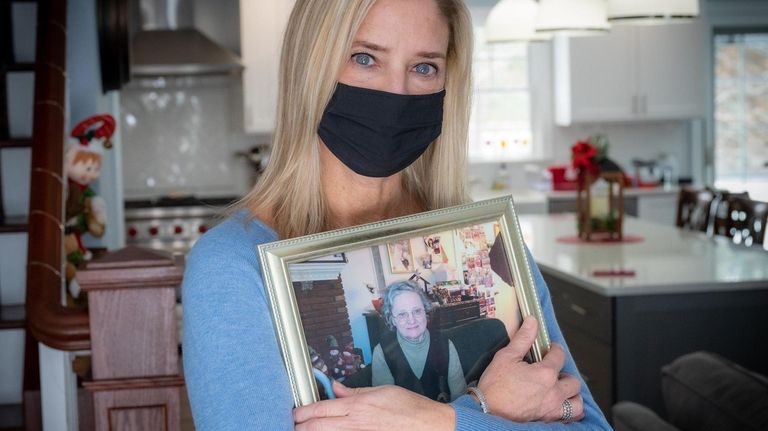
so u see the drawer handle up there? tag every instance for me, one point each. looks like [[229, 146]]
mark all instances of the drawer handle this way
[[578, 310]]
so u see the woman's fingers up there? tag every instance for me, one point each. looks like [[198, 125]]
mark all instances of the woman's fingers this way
[[324, 424], [322, 409], [383, 408], [569, 385], [555, 358], [521, 341], [556, 414], [342, 391]]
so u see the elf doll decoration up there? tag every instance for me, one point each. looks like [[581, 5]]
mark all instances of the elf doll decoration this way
[[85, 212]]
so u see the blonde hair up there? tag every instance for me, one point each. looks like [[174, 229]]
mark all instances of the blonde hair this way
[[315, 48]]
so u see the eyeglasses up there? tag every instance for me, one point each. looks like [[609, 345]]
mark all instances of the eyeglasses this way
[[416, 314]]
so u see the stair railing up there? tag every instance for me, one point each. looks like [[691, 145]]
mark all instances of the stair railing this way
[[49, 321]]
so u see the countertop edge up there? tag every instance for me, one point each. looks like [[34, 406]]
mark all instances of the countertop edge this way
[[660, 289]]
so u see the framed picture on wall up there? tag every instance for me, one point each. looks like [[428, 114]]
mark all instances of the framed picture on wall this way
[[459, 276], [400, 256]]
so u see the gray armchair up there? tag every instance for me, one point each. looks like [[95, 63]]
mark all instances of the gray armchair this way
[[702, 392]]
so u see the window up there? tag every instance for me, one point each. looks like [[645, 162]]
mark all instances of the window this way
[[741, 113], [500, 126]]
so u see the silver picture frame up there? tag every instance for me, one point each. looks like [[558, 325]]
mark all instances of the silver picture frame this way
[[292, 267]]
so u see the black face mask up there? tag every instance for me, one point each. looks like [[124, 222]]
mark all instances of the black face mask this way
[[377, 134]]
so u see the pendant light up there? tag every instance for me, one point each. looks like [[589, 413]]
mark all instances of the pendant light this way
[[513, 21], [573, 17], [652, 11]]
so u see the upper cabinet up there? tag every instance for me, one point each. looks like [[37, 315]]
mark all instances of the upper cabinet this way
[[633, 73], [261, 27]]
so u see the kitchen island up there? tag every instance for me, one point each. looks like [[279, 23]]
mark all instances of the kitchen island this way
[[687, 292], [656, 204]]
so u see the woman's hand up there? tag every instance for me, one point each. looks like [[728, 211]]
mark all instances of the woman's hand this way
[[524, 392], [385, 408]]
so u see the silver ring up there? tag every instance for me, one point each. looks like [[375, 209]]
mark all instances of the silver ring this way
[[567, 411]]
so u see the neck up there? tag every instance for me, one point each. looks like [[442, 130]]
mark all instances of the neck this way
[[420, 340], [354, 199]]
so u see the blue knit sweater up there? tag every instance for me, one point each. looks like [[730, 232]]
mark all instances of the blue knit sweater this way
[[234, 373]]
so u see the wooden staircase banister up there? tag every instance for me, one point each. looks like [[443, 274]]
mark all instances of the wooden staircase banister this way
[[49, 321]]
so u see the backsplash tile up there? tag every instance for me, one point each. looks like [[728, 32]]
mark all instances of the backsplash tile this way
[[180, 135]]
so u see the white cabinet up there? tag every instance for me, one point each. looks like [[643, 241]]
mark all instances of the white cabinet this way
[[262, 25], [632, 73]]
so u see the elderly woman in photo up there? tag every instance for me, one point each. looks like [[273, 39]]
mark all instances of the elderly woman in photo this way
[[410, 357]]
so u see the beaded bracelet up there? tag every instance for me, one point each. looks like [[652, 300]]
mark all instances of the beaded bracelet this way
[[480, 397]]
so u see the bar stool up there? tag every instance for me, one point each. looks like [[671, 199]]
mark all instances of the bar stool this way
[[747, 221], [720, 213], [693, 208]]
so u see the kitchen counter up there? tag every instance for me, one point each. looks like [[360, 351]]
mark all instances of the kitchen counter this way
[[689, 293], [667, 260], [628, 191], [526, 201]]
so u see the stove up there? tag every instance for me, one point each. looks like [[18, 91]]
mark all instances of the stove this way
[[172, 224]]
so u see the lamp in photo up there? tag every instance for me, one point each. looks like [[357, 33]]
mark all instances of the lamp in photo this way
[[600, 191]]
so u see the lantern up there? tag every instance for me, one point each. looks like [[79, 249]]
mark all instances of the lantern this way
[[600, 206]]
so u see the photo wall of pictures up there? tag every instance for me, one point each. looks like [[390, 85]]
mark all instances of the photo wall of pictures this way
[[476, 266]]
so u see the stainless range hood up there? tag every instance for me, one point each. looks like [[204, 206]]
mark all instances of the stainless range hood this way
[[168, 44]]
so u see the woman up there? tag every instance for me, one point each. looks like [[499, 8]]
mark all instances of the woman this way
[[371, 124], [412, 359]]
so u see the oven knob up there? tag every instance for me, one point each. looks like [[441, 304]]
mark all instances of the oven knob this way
[[153, 231], [202, 228], [178, 229], [132, 232]]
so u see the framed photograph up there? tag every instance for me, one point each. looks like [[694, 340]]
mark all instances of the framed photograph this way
[[343, 301], [400, 256]]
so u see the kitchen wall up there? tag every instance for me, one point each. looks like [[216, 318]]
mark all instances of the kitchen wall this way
[[181, 134], [644, 140], [690, 141]]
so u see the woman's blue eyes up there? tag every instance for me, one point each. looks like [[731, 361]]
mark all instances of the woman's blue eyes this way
[[363, 59], [425, 69], [367, 60]]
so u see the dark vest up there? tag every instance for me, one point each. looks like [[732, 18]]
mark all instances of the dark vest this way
[[434, 379]]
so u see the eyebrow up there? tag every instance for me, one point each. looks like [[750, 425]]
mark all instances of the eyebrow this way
[[378, 48]]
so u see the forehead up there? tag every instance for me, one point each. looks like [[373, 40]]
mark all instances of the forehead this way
[[406, 300], [414, 25]]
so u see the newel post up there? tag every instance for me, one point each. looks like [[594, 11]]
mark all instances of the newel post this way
[[134, 353]]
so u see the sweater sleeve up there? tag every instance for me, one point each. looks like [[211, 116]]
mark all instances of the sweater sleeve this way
[[469, 416], [233, 368], [380, 373], [456, 381]]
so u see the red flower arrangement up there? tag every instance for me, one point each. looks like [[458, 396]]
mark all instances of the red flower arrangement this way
[[583, 155], [586, 156]]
